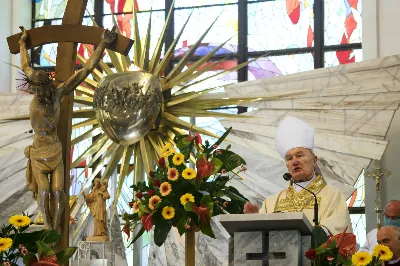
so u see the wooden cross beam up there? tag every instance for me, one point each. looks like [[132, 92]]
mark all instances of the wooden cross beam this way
[[65, 67]]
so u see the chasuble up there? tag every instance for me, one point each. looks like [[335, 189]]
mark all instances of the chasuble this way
[[333, 214]]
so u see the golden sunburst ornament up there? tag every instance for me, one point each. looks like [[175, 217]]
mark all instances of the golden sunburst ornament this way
[[131, 116]]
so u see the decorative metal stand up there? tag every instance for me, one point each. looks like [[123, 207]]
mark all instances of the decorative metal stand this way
[[378, 173], [106, 257]]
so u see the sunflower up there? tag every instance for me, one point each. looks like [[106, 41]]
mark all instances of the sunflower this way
[[5, 244], [361, 258], [135, 206], [173, 174], [165, 189], [178, 158], [187, 198], [168, 150], [153, 201], [168, 213], [382, 252], [189, 173], [19, 221]]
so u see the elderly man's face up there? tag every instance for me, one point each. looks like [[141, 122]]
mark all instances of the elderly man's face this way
[[390, 237], [300, 163]]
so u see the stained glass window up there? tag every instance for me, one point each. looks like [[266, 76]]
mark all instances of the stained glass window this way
[[343, 23], [226, 26], [186, 3], [123, 6], [53, 9], [157, 24], [46, 55], [277, 25], [357, 199], [280, 65], [342, 57]]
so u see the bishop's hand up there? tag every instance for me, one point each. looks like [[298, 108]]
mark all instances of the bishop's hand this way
[[23, 34], [109, 36], [250, 208]]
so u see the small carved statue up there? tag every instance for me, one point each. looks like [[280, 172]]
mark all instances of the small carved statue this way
[[96, 201], [45, 169]]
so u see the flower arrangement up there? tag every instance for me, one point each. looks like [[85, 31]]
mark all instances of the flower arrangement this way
[[184, 197], [340, 249], [17, 244], [380, 254]]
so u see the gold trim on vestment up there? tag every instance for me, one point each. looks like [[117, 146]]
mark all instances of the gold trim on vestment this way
[[297, 201]]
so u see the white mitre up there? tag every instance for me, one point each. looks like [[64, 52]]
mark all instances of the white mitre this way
[[293, 133]]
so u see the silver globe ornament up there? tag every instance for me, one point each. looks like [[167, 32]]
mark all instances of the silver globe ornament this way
[[127, 105]]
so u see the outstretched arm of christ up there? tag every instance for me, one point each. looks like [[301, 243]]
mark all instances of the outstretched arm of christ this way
[[25, 60], [79, 76]]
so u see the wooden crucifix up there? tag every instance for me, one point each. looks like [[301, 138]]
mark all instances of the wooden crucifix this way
[[67, 35]]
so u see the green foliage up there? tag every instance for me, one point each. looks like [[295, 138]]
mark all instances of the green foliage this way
[[64, 255], [37, 242]]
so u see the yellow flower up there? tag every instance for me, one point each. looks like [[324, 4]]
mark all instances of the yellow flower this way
[[153, 201], [19, 221], [135, 206], [178, 158], [168, 212], [165, 189], [187, 198], [382, 252], [361, 258], [5, 244], [168, 150], [173, 174], [189, 173]]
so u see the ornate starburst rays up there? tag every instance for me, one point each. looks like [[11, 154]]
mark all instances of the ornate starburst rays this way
[[148, 149]]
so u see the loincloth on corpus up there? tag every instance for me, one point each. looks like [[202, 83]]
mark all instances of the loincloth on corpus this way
[[44, 160]]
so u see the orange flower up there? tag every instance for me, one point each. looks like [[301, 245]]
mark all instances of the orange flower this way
[[346, 242], [173, 174], [153, 201], [135, 206], [165, 189]]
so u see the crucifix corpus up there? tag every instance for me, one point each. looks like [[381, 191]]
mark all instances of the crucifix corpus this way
[[48, 167], [378, 173]]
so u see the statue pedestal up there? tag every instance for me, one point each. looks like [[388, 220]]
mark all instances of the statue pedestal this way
[[96, 253], [268, 239]]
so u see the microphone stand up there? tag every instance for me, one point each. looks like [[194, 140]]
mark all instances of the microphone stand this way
[[288, 177], [315, 204]]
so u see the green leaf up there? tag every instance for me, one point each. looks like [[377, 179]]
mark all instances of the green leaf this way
[[228, 147], [218, 164], [231, 160], [50, 237], [233, 193], [29, 259], [222, 138], [235, 207], [161, 231], [138, 235], [181, 224], [320, 250], [44, 250], [143, 209], [64, 255]]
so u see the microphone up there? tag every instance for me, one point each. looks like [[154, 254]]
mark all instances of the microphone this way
[[288, 177]]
